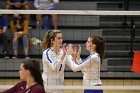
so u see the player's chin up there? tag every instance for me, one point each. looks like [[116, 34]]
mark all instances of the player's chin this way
[[21, 78], [87, 47]]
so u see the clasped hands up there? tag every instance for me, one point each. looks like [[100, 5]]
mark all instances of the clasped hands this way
[[71, 49]]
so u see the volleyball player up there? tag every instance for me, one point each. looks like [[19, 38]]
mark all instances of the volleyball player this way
[[31, 80], [90, 67], [53, 60]]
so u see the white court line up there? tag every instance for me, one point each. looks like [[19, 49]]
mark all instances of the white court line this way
[[6, 86], [84, 87]]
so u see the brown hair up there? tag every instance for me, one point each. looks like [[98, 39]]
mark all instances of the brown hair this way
[[51, 34], [34, 67], [100, 45]]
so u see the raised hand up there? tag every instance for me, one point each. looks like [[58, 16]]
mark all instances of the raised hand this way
[[64, 53], [79, 52], [70, 49], [74, 54], [64, 49]]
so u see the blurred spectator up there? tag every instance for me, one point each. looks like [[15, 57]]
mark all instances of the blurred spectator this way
[[3, 36], [19, 28], [18, 4], [31, 80], [46, 5]]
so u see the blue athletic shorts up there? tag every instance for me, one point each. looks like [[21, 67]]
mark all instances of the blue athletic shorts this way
[[93, 91]]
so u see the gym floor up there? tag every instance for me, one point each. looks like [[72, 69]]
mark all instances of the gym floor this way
[[79, 82]]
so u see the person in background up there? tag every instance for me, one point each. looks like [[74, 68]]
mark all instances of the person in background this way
[[18, 4], [90, 67], [45, 5], [3, 35], [19, 28], [31, 80]]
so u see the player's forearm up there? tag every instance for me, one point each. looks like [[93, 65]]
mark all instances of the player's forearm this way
[[73, 65]]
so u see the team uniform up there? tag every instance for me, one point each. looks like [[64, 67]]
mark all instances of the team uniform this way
[[21, 88], [90, 68], [53, 70]]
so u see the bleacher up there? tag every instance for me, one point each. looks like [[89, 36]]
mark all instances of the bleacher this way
[[116, 30]]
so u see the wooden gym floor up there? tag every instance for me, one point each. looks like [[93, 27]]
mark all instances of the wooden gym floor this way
[[79, 82]]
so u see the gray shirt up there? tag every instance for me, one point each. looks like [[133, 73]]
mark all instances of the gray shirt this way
[[44, 4]]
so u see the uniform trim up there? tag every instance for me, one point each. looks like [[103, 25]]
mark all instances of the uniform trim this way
[[85, 59], [48, 55], [60, 67]]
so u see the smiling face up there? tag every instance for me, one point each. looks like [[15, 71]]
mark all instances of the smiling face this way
[[57, 42]]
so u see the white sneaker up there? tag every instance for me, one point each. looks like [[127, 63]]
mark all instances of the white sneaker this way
[[14, 57], [6, 57], [27, 57]]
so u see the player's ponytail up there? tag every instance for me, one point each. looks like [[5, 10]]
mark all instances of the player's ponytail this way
[[100, 46]]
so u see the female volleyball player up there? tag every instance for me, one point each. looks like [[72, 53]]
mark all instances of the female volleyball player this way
[[53, 60], [90, 67], [30, 75]]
